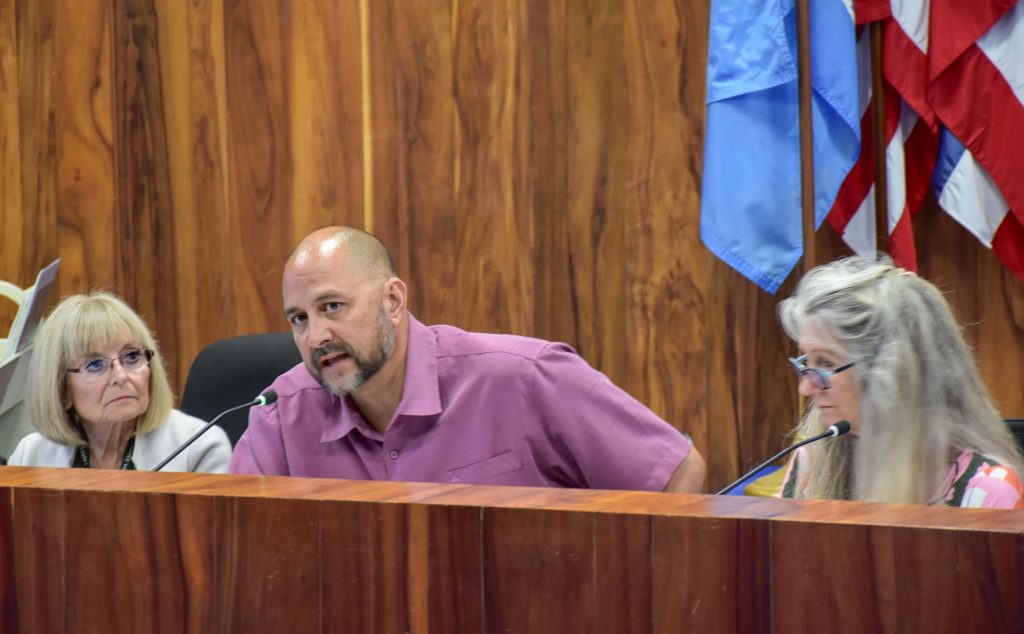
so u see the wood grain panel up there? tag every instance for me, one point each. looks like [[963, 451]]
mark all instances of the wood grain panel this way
[[295, 554], [990, 582], [268, 565], [411, 129], [173, 39], [491, 247], [145, 230], [623, 576], [39, 530], [8, 587], [538, 571], [593, 292], [191, 45], [259, 49], [366, 584], [30, 239], [325, 117], [710, 575], [876, 578], [1000, 332], [543, 62], [83, 112], [948, 261], [802, 562], [992, 312], [155, 550], [455, 578], [11, 217], [667, 290]]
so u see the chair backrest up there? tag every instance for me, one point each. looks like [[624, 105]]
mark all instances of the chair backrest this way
[[31, 303], [1017, 427], [232, 371]]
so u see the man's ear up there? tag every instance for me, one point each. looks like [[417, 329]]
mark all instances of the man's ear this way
[[395, 299]]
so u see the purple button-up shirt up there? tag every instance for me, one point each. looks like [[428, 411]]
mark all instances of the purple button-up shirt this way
[[476, 408]]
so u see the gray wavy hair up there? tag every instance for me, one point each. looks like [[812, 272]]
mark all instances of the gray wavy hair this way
[[922, 401]]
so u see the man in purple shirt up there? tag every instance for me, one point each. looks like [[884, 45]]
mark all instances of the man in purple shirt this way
[[380, 396]]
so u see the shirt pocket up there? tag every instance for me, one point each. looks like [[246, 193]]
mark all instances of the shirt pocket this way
[[485, 470]]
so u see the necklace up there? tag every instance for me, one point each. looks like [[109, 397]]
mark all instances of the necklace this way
[[82, 456]]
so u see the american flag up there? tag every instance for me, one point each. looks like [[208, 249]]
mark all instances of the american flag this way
[[953, 76]]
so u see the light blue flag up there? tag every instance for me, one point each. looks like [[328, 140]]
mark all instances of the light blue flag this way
[[750, 201]]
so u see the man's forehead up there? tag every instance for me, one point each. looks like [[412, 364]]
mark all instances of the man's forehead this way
[[306, 283], [330, 249]]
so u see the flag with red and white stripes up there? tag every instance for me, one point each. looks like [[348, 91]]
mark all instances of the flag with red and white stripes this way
[[976, 88], [946, 64], [910, 137]]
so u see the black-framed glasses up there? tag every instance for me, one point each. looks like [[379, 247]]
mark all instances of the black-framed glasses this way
[[819, 378], [131, 360]]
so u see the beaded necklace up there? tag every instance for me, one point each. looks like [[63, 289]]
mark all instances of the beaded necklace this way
[[82, 456]]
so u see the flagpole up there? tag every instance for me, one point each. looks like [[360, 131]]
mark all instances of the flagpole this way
[[803, 38], [881, 182], [803, 66]]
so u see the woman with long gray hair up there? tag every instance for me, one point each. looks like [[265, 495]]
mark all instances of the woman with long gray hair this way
[[879, 347]]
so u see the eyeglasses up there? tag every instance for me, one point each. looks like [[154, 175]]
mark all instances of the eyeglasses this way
[[131, 360], [820, 379]]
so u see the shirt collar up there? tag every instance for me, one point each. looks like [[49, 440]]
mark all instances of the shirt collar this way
[[421, 394]]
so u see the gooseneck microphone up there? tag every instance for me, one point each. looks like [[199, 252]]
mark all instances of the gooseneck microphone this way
[[266, 398], [838, 429]]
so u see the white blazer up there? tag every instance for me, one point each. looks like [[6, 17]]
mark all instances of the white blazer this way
[[211, 453]]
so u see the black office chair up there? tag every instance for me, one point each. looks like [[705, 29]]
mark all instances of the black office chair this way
[[232, 371], [1017, 427]]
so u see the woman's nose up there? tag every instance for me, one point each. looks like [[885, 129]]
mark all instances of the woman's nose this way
[[806, 387], [117, 371]]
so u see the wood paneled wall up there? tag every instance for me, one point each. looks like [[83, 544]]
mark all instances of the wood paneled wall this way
[[534, 166]]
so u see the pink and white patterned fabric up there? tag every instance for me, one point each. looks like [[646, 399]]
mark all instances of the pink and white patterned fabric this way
[[978, 482]]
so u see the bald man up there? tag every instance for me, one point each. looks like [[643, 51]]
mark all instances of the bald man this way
[[380, 396]]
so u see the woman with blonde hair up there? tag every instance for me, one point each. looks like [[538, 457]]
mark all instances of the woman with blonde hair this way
[[879, 347], [99, 396]]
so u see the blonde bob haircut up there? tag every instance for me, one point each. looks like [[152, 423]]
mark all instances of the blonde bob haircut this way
[[81, 324]]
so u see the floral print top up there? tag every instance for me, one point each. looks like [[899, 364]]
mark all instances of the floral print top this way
[[973, 481]]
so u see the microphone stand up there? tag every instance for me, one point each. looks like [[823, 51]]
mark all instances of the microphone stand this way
[[262, 399], [838, 429]]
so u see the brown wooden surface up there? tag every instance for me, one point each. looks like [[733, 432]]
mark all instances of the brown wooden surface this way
[[106, 551], [269, 555], [40, 569], [8, 588], [534, 166]]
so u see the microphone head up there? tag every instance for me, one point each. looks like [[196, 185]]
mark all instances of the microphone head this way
[[270, 396], [842, 427]]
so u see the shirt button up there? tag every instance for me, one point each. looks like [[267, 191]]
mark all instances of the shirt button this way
[[393, 454]]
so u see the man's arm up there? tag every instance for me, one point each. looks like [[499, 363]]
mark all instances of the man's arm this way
[[689, 475], [260, 450], [602, 437]]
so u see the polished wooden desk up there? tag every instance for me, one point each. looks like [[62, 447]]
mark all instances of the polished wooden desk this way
[[108, 551]]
